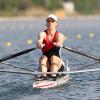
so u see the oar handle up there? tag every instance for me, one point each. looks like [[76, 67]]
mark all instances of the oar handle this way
[[17, 54], [81, 53]]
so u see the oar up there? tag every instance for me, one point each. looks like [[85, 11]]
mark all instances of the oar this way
[[40, 73], [14, 66], [17, 54], [81, 53], [88, 65]]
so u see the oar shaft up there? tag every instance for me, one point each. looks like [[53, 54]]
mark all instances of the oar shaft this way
[[40, 73], [81, 53], [69, 72], [17, 72], [14, 66], [17, 54]]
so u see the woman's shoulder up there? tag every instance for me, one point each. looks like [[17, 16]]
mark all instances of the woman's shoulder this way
[[60, 34], [42, 34]]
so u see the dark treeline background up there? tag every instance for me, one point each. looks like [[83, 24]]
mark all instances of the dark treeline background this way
[[15, 6]]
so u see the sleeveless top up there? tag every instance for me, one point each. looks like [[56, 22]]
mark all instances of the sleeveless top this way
[[49, 44]]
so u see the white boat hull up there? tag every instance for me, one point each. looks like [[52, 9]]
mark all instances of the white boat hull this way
[[43, 84]]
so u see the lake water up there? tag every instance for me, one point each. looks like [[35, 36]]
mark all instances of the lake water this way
[[81, 86]]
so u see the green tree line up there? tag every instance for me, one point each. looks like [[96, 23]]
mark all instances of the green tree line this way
[[87, 6], [81, 6], [25, 4]]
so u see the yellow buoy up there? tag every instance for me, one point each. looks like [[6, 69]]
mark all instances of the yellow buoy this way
[[8, 44], [78, 36], [66, 37], [29, 41], [91, 35]]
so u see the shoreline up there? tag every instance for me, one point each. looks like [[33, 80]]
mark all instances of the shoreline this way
[[89, 17]]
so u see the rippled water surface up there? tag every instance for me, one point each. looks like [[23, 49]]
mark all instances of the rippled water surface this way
[[81, 86]]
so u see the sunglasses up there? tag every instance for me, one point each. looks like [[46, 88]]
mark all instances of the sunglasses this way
[[50, 20]]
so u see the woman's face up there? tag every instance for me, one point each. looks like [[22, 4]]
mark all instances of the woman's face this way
[[51, 23]]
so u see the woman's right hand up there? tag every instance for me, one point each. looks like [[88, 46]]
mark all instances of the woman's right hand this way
[[40, 45]]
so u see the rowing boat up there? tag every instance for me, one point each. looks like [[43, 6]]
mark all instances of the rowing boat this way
[[43, 84], [49, 83], [60, 80]]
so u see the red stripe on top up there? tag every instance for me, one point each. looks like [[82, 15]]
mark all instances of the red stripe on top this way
[[49, 43]]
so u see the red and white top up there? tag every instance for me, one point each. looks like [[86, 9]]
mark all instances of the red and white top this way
[[49, 44]]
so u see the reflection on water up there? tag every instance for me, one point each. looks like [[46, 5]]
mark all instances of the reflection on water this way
[[83, 86]]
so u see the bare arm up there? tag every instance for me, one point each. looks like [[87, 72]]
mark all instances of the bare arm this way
[[59, 40], [41, 37]]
